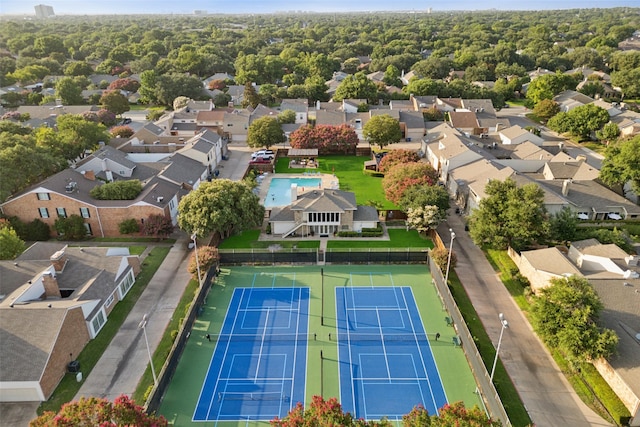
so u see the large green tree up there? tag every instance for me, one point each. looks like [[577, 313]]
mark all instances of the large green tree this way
[[221, 207], [509, 215], [581, 121], [382, 130], [69, 91], [356, 86], [10, 244], [265, 132], [425, 195], [622, 163], [566, 316], [115, 102], [78, 134]]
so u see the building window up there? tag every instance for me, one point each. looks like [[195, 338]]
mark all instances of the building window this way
[[84, 213], [44, 212], [126, 284], [44, 196], [62, 213], [109, 300], [88, 228], [98, 322]]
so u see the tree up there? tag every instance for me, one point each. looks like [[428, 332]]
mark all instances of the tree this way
[[115, 102], [148, 86], [35, 230], [563, 225], [287, 117], [180, 102], [609, 132], [265, 132], [509, 215], [396, 157], [130, 85], [79, 135], [121, 132], [78, 68], [622, 163], [129, 226], [392, 76], [548, 86], [222, 207], [566, 315], [425, 195], [117, 190], [628, 81], [356, 86], [10, 244], [68, 91], [322, 413], [382, 130], [424, 218], [546, 108], [94, 411], [441, 257], [171, 86], [454, 414], [208, 257], [71, 227], [402, 177], [158, 226], [326, 138], [251, 97]]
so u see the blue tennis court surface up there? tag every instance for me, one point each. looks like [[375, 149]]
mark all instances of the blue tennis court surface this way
[[386, 364], [258, 368]]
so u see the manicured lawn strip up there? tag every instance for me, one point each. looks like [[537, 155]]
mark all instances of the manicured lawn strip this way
[[399, 238], [136, 249], [588, 383], [164, 347], [502, 263], [68, 387], [133, 240], [349, 171], [508, 394], [249, 240]]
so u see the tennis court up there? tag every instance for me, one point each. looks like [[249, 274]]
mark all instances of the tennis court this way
[[283, 334], [258, 367], [386, 364]]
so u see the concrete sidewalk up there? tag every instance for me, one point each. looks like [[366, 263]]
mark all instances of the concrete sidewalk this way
[[545, 392], [123, 363]]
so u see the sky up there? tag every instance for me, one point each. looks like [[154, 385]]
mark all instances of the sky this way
[[92, 7]]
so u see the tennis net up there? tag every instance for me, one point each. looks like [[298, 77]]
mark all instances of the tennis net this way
[[259, 396], [351, 336]]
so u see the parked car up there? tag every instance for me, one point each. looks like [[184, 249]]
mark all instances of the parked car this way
[[263, 153], [126, 121], [261, 159]]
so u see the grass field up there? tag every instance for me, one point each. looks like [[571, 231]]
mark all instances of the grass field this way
[[181, 397], [348, 170]]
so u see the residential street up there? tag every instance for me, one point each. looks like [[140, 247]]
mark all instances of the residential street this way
[[546, 394]]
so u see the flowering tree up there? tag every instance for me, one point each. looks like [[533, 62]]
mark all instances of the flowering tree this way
[[403, 176], [121, 131], [441, 257], [93, 411], [207, 257], [127, 84], [326, 138], [396, 157], [449, 415], [322, 413], [158, 226], [424, 218]]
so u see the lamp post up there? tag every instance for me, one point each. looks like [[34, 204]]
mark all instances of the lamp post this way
[[143, 326], [446, 277], [195, 246], [505, 325]]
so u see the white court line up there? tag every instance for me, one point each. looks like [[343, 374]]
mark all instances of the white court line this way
[[264, 332], [384, 348]]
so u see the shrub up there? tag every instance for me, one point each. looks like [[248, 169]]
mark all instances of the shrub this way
[[71, 228], [441, 257], [129, 226], [207, 257], [117, 190], [36, 230], [158, 226]]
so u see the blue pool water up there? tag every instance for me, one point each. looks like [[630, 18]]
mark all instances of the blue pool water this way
[[279, 193]]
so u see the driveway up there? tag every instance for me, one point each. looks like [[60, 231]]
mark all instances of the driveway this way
[[545, 392]]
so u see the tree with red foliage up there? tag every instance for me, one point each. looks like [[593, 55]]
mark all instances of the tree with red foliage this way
[[217, 84], [158, 226], [326, 138], [449, 415], [397, 157], [121, 131], [322, 413], [127, 84], [403, 176], [93, 411], [207, 257]]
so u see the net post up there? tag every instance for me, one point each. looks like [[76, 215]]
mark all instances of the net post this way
[[322, 297], [329, 336], [321, 374]]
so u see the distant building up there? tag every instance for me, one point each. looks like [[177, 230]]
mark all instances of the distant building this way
[[43, 11]]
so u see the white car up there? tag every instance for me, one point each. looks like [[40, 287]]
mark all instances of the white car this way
[[264, 154]]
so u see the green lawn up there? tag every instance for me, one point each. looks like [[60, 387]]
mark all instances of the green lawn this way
[[69, 387], [249, 240], [399, 238], [349, 171]]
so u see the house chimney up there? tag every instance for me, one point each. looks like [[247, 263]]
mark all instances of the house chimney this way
[[565, 187], [317, 105], [59, 260], [90, 175], [51, 288], [294, 192]]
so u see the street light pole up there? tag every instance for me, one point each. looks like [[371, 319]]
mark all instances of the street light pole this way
[[505, 325], [195, 247], [143, 326], [446, 277]]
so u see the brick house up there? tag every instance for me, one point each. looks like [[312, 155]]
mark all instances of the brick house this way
[[53, 300]]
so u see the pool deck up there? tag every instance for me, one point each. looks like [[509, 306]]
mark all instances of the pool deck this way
[[328, 181]]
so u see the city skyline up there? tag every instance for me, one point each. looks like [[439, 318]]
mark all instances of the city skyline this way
[[121, 7]]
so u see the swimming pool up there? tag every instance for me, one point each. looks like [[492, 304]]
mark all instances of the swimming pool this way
[[279, 193]]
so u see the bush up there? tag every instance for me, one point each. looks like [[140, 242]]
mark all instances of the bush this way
[[36, 230], [71, 228], [117, 190], [441, 257], [207, 258], [129, 226]]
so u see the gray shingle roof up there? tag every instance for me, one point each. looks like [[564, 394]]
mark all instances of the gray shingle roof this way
[[326, 201]]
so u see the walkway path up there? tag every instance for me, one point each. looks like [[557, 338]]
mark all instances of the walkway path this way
[[547, 395]]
